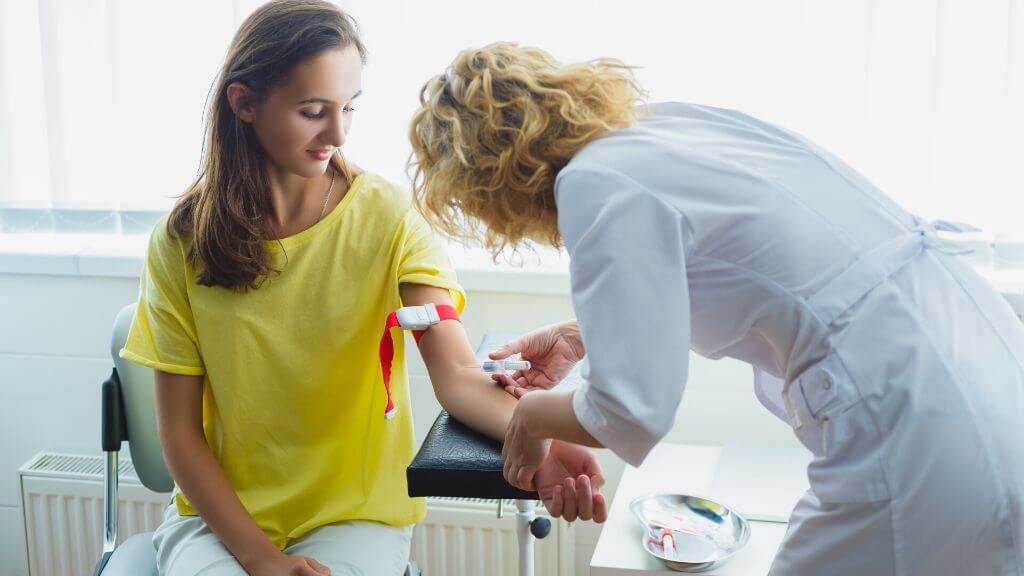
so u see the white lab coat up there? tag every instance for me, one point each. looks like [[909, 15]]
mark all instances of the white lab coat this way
[[897, 365]]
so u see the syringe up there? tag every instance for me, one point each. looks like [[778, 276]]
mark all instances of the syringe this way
[[493, 366]]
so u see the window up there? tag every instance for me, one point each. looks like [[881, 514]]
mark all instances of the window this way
[[102, 101]]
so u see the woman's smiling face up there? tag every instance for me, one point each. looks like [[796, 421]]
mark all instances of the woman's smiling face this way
[[301, 123]]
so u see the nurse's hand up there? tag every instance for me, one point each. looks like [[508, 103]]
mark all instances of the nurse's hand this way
[[522, 453], [552, 352], [569, 482]]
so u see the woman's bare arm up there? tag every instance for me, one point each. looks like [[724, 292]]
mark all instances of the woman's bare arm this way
[[466, 392], [179, 409]]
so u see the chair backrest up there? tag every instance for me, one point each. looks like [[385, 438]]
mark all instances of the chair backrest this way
[[137, 392]]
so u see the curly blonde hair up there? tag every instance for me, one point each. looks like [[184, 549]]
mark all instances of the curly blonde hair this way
[[493, 131]]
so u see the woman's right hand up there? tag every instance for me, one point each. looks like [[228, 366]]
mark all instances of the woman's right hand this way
[[552, 352], [281, 564]]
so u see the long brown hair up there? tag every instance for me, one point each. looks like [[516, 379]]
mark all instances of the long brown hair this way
[[226, 208]]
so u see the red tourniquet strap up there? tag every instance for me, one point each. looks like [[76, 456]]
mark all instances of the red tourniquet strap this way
[[387, 349]]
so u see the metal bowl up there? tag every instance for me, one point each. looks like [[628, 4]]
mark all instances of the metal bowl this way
[[689, 533]]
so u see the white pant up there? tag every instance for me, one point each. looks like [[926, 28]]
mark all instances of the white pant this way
[[185, 546]]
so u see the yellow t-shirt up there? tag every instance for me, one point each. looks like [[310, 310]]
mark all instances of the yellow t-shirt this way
[[293, 401]]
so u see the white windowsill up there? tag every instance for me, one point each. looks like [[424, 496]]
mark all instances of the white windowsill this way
[[122, 256]]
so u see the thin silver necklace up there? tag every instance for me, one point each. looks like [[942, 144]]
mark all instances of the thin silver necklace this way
[[327, 196]]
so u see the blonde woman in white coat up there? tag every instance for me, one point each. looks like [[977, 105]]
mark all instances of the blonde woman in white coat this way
[[692, 227]]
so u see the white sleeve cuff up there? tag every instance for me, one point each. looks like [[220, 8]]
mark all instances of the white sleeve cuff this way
[[626, 439]]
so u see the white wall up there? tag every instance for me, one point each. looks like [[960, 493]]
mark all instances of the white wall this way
[[54, 354]]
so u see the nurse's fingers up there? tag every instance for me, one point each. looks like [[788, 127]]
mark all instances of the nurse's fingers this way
[[507, 349], [510, 474], [584, 504], [514, 387], [600, 508], [524, 477], [592, 468], [506, 463], [556, 506], [513, 378], [503, 379], [569, 506]]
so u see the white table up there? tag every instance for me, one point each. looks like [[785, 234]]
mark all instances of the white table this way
[[694, 470]]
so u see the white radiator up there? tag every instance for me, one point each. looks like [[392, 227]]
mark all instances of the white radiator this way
[[464, 537], [62, 503]]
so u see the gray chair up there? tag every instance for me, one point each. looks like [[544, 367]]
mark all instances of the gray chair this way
[[129, 415]]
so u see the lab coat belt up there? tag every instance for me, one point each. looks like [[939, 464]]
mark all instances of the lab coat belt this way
[[873, 267]]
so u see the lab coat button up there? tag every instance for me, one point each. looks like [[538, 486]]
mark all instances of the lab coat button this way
[[827, 385]]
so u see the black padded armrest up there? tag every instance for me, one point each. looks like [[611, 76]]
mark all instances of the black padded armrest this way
[[457, 461]]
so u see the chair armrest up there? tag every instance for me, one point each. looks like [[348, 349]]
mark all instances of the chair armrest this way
[[457, 461]]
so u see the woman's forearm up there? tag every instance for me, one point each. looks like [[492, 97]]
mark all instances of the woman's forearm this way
[[462, 389], [475, 400], [202, 480]]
